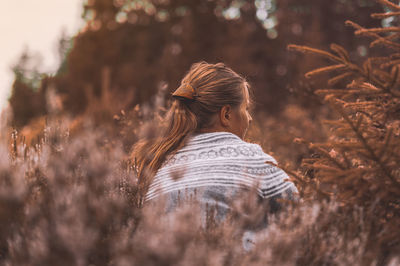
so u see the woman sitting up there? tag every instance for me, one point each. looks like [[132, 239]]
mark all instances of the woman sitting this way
[[201, 154]]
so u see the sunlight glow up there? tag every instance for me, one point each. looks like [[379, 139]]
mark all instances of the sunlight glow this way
[[36, 25]]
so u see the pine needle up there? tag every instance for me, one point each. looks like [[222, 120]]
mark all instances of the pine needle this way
[[385, 15], [387, 140], [390, 44], [327, 155], [338, 78], [324, 69], [305, 49], [377, 30], [390, 5], [391, 63], [340, 51], [395, 55], [382, 39]]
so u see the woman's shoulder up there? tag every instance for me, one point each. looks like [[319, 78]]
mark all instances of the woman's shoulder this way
[[220, 145]]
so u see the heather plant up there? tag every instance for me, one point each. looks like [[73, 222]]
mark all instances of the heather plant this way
[[61, 204], [74, 200]]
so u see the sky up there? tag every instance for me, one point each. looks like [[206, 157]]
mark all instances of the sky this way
[[35, 25]]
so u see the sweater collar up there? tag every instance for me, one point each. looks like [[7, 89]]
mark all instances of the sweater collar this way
[[213, 135]]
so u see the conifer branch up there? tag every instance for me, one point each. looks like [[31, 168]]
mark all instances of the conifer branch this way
[[394, 56], [340, 51], [344, 91], [305, 49], [324, 167], [390, 44], [386, 38], [366, 145], [379, 59], [387, 140], [383, 75], [359, 104], [327, 155], [359, 122], [346, 159], [391, 63], [377, 30], [389, 4], [394, 76], [338, 78], [385, 15], [324, 69]]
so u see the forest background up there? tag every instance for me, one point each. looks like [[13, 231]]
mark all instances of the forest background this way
[[115, 80]]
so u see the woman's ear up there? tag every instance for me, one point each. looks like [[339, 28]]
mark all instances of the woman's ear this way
[[225, 115]]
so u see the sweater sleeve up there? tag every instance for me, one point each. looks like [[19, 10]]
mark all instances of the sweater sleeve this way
[[275, 181]]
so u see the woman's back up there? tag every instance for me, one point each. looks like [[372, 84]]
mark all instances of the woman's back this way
[[213, 169], [198, 152]]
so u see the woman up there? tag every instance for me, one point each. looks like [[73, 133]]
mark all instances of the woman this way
[[201, 153]]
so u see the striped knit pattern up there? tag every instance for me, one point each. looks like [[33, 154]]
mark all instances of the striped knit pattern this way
[[214, 167]]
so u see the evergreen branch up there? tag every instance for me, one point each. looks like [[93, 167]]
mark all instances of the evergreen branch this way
[[296, 177], [308, 161], [389, 4], [359, 122], [366, 145], [385, 15], [359, 104], [390, 44], [391, 63], [394, 56], [319, 166], [340, 51], [353, 67], [394, 76], [338, 78], [367, 69], [377, 30], [388, 138], [306, 49], [350, 92], [352, 24], [313, 184], [347, 145], [346, 159], [324, 69], [387, 38], [395, 93], [382, 74], [378, 59], [327, 155], [368, 87]]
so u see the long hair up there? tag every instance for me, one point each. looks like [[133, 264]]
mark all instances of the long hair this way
[[213, 86]]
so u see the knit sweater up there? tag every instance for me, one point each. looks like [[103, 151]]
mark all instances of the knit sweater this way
[[214, 168]]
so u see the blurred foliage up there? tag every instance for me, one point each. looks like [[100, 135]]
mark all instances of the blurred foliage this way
[[148, 44], [28, 90]]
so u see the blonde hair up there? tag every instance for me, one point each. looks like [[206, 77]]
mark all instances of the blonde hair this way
[[204, 90]]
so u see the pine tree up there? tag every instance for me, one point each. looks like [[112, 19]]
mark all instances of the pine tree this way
[[360, 164]]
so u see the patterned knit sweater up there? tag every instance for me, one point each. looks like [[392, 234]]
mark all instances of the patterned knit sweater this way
[[214, 168]]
